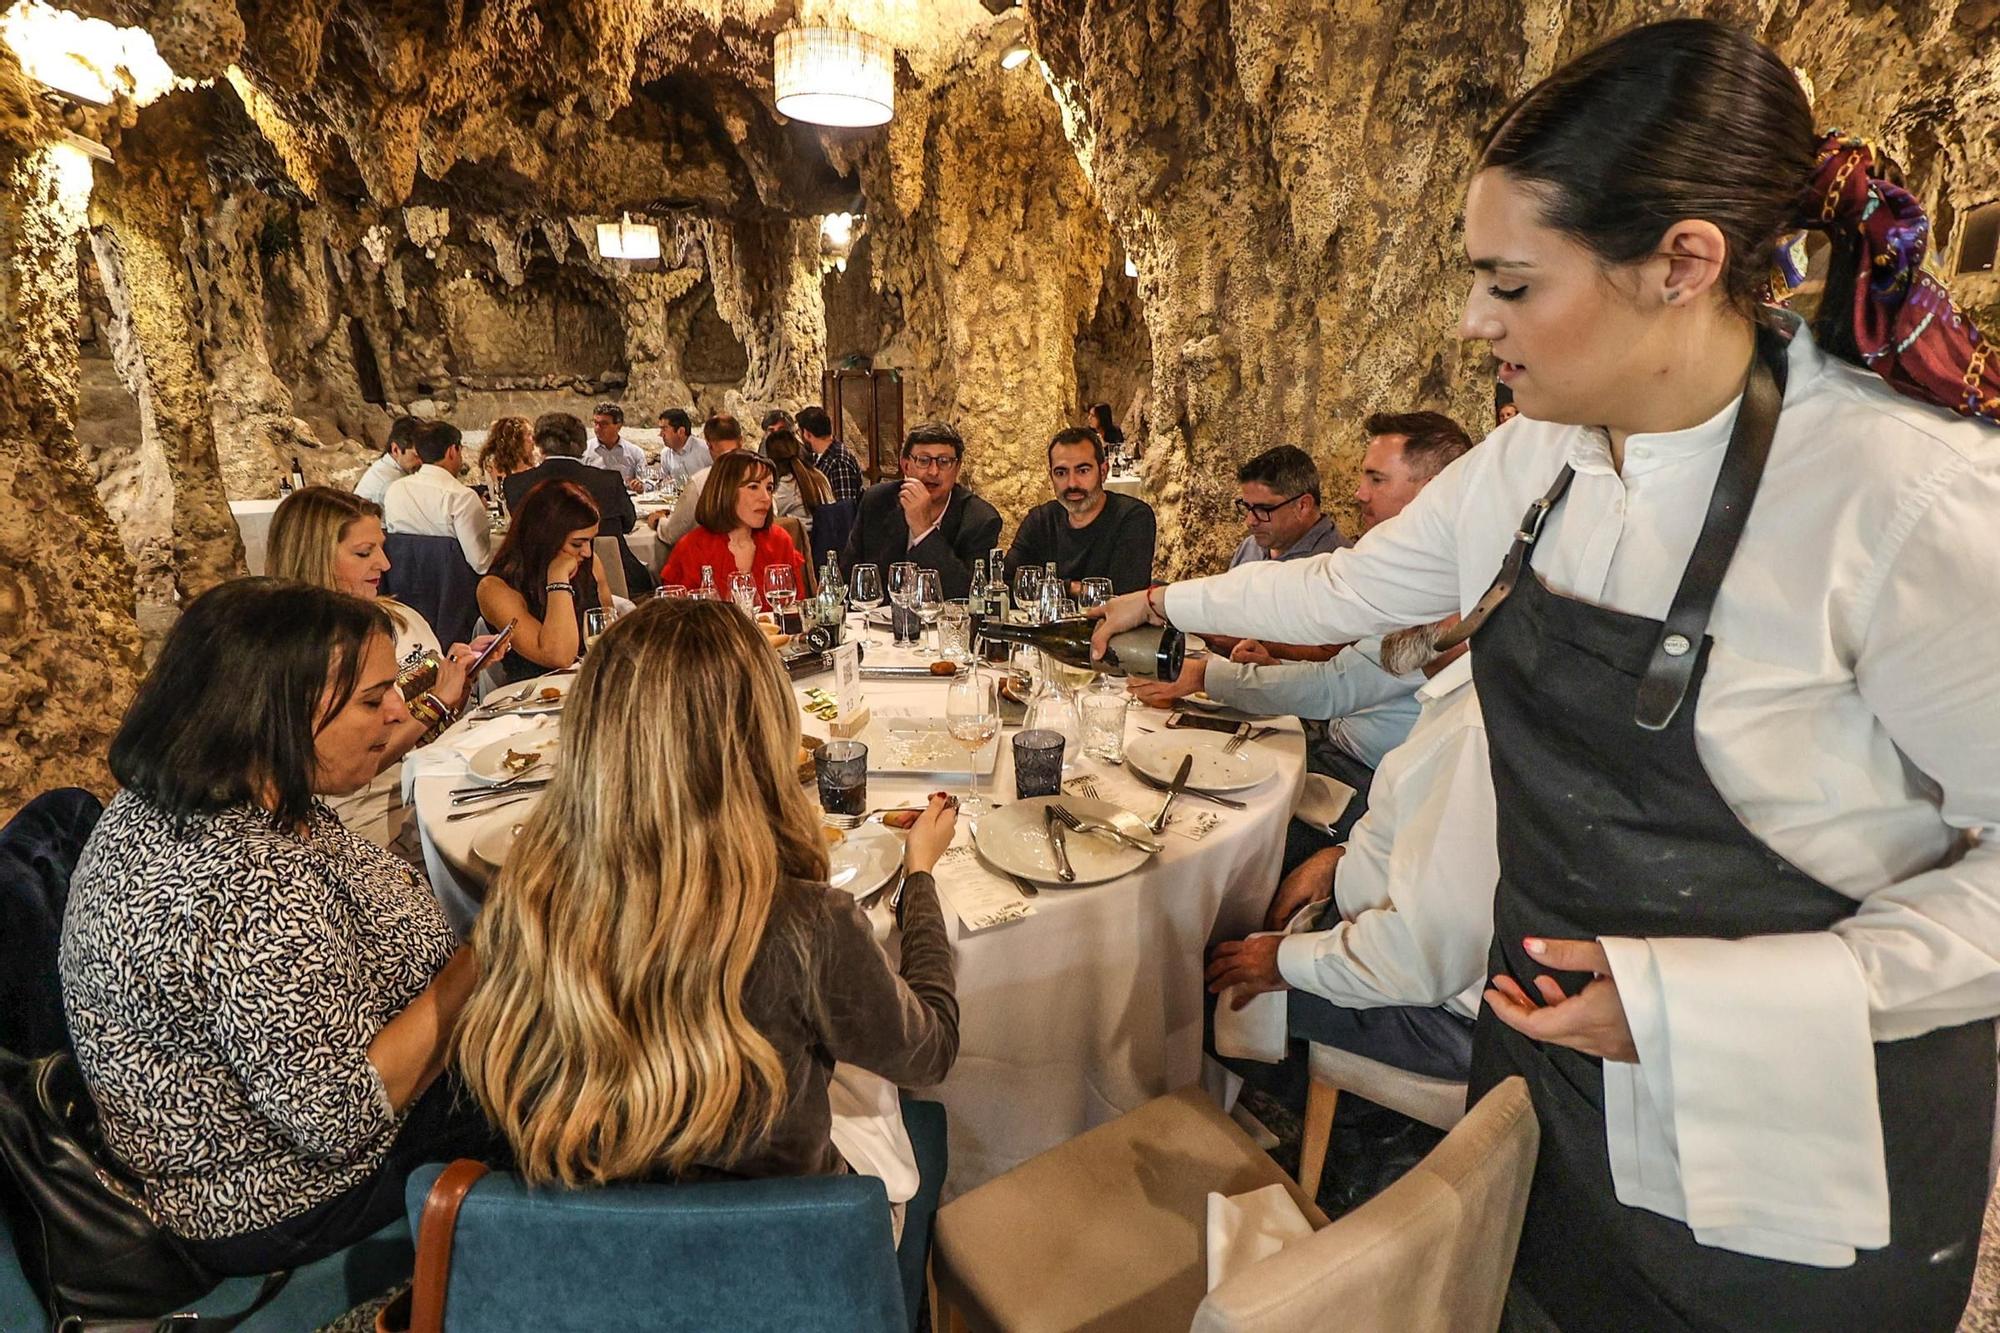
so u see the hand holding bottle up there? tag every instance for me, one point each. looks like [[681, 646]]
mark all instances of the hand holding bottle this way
[[1123, 613]]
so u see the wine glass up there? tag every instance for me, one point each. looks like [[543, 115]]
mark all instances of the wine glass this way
[[865, 589], [1028, 589], [972, 715], [781, 591], [929, 598], [902, 585], [595, 622], [743, 592], [1094, 592]]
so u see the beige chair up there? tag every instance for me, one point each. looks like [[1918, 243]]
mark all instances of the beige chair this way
[[1435, 1101], [792, 524], [605, 549], [1106, 1233]]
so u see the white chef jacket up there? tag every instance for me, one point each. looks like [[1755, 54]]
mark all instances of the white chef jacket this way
[[1849, 714], [1415, 886], [430, 502], [383, 473]]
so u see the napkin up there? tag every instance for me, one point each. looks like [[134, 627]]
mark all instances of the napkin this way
[[1322, 801], [1246, 1228], [868, 1129], [1751, 1114], [979, 898], [1257, 1030]]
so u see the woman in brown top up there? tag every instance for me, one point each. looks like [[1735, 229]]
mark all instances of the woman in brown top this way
[[666, 978]]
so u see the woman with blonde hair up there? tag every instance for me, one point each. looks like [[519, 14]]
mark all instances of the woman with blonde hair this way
[[332, 539], [666, 980], [510, 448]]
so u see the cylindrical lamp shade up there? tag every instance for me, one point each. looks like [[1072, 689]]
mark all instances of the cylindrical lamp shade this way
[[834, 76], [626, 239]]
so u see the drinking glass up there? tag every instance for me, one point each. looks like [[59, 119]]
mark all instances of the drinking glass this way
[[972, 715], [929, 599], [595, 622], [841, 769], [781, 591], [954, 624], [743, 592], [1038, 763], [902, 596], [1104, 725], [1028, 590], [865, 589], [672, 590], [1094, 592]]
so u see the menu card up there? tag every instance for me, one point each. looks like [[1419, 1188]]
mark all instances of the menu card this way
[[980, 897]]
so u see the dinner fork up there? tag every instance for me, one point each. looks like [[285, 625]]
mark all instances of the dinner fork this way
[[1064, 815], [1245, 735]]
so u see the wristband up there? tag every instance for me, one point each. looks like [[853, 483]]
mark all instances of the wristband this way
[[559, 587], [1160, 610], [430, 710]]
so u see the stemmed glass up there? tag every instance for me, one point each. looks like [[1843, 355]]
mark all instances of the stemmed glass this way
[[1094, 592], [865, 589], [1028, 589], [929, 600], [902, 584], [781, 591], [972, 715], [743, 592]]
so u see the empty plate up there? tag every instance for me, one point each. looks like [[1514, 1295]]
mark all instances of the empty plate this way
[[526, 752], [864, 859], [1013, 838], [496, 840], [1158, 756]]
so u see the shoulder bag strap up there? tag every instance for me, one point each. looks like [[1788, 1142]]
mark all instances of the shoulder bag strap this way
[[434, 1234]]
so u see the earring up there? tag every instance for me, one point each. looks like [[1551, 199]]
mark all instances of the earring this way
[[1673, 296]]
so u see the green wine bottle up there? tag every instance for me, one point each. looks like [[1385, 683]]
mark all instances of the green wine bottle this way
[[1151, 652]]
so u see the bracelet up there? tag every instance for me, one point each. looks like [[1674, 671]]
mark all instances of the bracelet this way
[[559, 587], [430, 710], [1159, 611]]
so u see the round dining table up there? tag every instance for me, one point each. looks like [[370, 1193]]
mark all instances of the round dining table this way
[[1071, 1015]]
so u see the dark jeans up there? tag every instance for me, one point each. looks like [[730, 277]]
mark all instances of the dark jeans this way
[[1434, 1042], [443, 1125]]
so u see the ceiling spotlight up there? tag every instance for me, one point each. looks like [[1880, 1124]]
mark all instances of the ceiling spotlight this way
[[1015, 56], [834, 76]]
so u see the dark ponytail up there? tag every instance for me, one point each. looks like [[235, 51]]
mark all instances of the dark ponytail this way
[[1684, 119]]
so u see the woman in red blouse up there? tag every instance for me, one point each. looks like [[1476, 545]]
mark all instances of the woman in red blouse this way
[[733, 531]]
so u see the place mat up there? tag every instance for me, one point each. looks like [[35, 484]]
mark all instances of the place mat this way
[[980, 898], [1123, 790]]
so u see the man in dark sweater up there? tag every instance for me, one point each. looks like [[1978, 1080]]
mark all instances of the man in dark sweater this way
[[926, 518], [1089, 532]]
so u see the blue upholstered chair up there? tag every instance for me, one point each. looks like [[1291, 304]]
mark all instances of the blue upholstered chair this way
[[802, 1255], [431, 577]]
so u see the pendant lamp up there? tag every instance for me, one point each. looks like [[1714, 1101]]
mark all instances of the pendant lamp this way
[[834, 76]]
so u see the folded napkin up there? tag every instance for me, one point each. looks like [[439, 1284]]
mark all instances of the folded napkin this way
[[1751, 1114], [1246, 1228], [868, 1130], [1322, 801], [1257, 1030]]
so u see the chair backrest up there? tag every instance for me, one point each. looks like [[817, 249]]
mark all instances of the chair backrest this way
[[797, 530], [1430, 1254], [1435, 1101], [610, 558], [806, 1255], [832, 523], [431, 577], [38, 853]]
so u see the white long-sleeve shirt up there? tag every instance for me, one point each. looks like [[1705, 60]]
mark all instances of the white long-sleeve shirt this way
[[383, 473], [1849, 715], [1415, 886], [430, 502]]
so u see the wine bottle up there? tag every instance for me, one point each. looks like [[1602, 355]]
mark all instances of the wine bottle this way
[[1151, 652], [298, 475]]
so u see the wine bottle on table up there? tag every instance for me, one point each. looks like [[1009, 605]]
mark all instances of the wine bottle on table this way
[[1151, 652], [298, 475]]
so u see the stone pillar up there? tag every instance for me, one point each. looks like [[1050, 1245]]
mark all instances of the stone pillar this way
[[766, 277], [69, 644]]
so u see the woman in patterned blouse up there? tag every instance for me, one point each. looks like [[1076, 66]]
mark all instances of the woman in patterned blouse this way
[[261, 1000]]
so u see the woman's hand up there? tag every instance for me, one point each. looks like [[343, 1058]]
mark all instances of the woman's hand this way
[[1128, 611], [1591, 1021], [1251, 964], [931, 834], [453, 682], [563, 568]]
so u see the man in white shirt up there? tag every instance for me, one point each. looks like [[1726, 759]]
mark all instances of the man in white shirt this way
[[724, 436], [681, 454], [610, 450], [433, 502], [399, 458], [1392, 966]]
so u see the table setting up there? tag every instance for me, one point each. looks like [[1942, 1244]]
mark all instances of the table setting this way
[[1080, 995]]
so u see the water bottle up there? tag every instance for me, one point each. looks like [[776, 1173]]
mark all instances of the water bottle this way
[[707, 592]]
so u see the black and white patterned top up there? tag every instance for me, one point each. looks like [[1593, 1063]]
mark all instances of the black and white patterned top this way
[[223, 984]]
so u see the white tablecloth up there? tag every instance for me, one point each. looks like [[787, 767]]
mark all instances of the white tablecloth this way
[[253, 520], [1072, 1016], [1134, 486]]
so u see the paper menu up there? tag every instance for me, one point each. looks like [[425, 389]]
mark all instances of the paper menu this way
[[979, 897], [846, 660]]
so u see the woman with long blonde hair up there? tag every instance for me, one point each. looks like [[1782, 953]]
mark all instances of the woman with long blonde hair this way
[[666, 978]]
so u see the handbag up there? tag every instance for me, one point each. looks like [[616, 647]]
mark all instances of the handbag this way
[[420, 1307], [95, 1258]]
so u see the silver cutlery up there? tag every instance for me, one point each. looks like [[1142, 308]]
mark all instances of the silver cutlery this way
[[476, 795], [1085, 786], [1081, 824], [868, 900], [1026, 886], [457, 815], [1058, 845], [1235, 743], [1158, 822], [1195, 792], [510, 780]]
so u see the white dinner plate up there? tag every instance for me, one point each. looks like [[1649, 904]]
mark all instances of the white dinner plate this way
[[514, 694], [1158, 756], [492, 765], [1012, 839], [496, 840], [864, 859]]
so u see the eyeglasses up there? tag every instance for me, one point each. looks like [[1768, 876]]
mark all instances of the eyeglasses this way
[[1262, 513], [930, 462]]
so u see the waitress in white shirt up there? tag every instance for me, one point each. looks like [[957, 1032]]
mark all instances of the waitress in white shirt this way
[[1749, 740]]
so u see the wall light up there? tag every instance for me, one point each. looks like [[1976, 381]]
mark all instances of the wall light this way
[[834, 76], [837, 234], [626, 239], [1131, 267], [88, 59], [1015, 56]]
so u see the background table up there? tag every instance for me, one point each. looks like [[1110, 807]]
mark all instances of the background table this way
[[253, 520], [1068, 1018], [1131, 484]]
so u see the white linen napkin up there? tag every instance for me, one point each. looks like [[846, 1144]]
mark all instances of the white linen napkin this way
[[1751, 1114], [1322, 801], [1257, 1030], [1246, 1228], [868, 1130]]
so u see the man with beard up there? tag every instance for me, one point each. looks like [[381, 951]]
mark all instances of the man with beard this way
[[1087, 531]]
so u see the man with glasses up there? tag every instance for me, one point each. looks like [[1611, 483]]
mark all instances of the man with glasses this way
[[1279, 500], [927, 517]]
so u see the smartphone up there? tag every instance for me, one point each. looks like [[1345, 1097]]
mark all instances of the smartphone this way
[[478, 663]]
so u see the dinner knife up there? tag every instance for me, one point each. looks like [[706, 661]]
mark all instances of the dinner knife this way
[[1195, 792], [1058, 845], [1158, 823], [479, 794]]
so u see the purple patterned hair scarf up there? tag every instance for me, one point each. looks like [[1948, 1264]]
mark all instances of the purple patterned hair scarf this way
[[1905, 326]]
